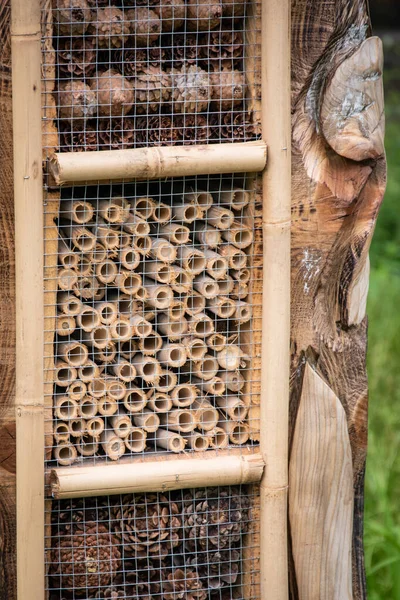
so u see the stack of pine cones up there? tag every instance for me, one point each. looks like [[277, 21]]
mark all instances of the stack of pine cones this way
[[153, 547], [134, 73]]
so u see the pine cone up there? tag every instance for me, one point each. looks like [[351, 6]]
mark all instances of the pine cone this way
[[229, 89], [214, 518], [76, 101], [204, 14], [237, 127], [172, 14], [156, 131], [71, 17], [147, 524], [110, 27], [77, 56], [145, 25], [141, 578], [67, 515], [116, 134], [191, 89], [79, 141], [222, 48], [112, 593], [115, 94], [86, 559], [131, 61], [182, 48], [183, 584], [152, 87], [216, 569], [234, 8], [192, 129]]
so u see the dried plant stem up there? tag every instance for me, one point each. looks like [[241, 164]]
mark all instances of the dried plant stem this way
[[88, 319], [207, 235], [162, 250], [183, 395], [197, 441], [65, 408], [160, 402], [135, 399], [121, 424], [147, 420], [112, 445], [64, 374], [65, 325], [65, 454], [169, 440], [206, 286], [136, 440], [78, 211], [206, 414], [73, 353], [95, 427]]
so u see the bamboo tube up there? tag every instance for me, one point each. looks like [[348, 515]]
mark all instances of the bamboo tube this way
[[147, 420], [66, 279], [65, 454], [220, 217], [125, 304], [106, 271], [179, 419], [216, 265], [197, 442], [99, 253], [87, 407], [84, 266], [120, 329], [151, 344], [206, 286], [238, 433], [236, 258], [105, 234], [107, 311], [162, 250], [80, 237], [98, 337], [196, 348], [162, 213], [112, 445], [97, 387], [157, 163], [128, 349], [142, 294], [172, 355], [64, 373], [143, 207], [222, 306], [200, 325], [182, 280], [233, 407], [136, 440], [65, 325], [235, 198], [73, 353], [114, 210], [107, 406], [88, 319], [160, 402], [87, 446], [238, 235], [195, 303], [218, 438], [161, 272], [231, 358], [128, 282], [106, 355], [136, 226], [202, 198], [177, 234], [116, 388], [176, 311], [67, 257], [225, 286], [125, 239], [135, 399], [183, 395], [174, 330], [147, 367], [243, 312], [65, 408], [61, 432], [100, 293], [121, 424], [77, 427], [86, 287], [169, 440], [167, 381], [206, 414], [76, 390], [241, 275], [123, 369], [215, 386], [140, 326], [233, 380], [216, 342], [206, 368], [149, 314], [207, 235], [143, 244], [77, 211], [192, 259], [159, 296], [239, 291], [129, 258], [187, 212], [95, 427]]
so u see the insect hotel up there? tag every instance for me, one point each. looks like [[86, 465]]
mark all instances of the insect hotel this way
[[154, 349]]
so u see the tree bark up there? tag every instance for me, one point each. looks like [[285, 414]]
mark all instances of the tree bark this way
[[338, 182]]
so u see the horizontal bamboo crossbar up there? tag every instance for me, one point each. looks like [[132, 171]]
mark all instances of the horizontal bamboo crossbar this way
[[155, 476], [69, 168]]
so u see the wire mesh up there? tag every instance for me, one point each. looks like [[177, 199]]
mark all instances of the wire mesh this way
[[188, 544]]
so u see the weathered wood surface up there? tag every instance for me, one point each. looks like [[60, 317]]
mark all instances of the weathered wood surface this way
[[7, 321], [338, 182]]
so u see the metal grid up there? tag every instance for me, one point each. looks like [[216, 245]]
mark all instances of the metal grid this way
[[188, 544], [147, 73], [156, 341]]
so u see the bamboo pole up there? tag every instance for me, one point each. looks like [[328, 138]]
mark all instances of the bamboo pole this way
[[137, 477], [276, 128], [157, 163]]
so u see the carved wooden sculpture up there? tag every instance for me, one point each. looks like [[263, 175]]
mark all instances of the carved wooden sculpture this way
[[338, 183]]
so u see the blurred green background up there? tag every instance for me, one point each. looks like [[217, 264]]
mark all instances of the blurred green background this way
[[382, 498]]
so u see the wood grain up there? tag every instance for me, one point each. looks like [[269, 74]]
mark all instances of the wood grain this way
[[321, 494]]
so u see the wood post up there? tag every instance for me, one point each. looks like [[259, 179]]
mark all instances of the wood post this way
[[27, 146]]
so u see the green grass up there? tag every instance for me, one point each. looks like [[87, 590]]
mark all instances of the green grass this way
[[382, 508]]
